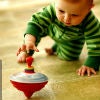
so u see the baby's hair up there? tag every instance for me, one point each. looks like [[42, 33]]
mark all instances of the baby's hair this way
[[90, 1], [74, 1]]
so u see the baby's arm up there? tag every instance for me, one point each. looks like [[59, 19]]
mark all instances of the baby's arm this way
[[27, 48], [30, 42], [92, 33]]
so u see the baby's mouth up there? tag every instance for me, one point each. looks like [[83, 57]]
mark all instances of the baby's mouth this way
[[67, 24]]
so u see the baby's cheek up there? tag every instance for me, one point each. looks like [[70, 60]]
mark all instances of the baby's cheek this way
[[75, 21], [78, 20], [60, 18]]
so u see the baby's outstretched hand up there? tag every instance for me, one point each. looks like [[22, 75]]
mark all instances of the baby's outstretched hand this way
[[86, 70], [31, 46], [24, 51]]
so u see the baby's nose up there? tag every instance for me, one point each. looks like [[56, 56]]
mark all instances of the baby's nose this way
[[67, 18]]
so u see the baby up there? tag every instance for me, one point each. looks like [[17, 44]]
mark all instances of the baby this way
[[70, 23]]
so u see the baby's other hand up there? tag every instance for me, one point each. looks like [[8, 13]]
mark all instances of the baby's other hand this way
[[86, 70], [21, 57], [21, 48]]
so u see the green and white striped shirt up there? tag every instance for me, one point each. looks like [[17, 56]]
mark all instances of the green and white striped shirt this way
[[69, 39]]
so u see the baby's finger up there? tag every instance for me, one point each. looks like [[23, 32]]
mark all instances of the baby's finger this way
[[88, 72], [35, 49], [23, 47], [79, 72], [18, 52], [93, 71], [28, 48], [83, 71]]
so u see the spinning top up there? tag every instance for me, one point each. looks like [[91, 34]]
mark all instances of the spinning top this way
[[29, 81]]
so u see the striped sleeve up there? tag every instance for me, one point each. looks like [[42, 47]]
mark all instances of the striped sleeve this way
[[92, 37], [40, 22]]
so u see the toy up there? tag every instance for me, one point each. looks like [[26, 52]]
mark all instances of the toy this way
[[29, 81]]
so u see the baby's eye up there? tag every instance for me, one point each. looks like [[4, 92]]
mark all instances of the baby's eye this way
[[61, 11], [74, 15]]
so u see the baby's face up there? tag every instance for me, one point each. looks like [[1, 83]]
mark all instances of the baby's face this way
[[71, 13]]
